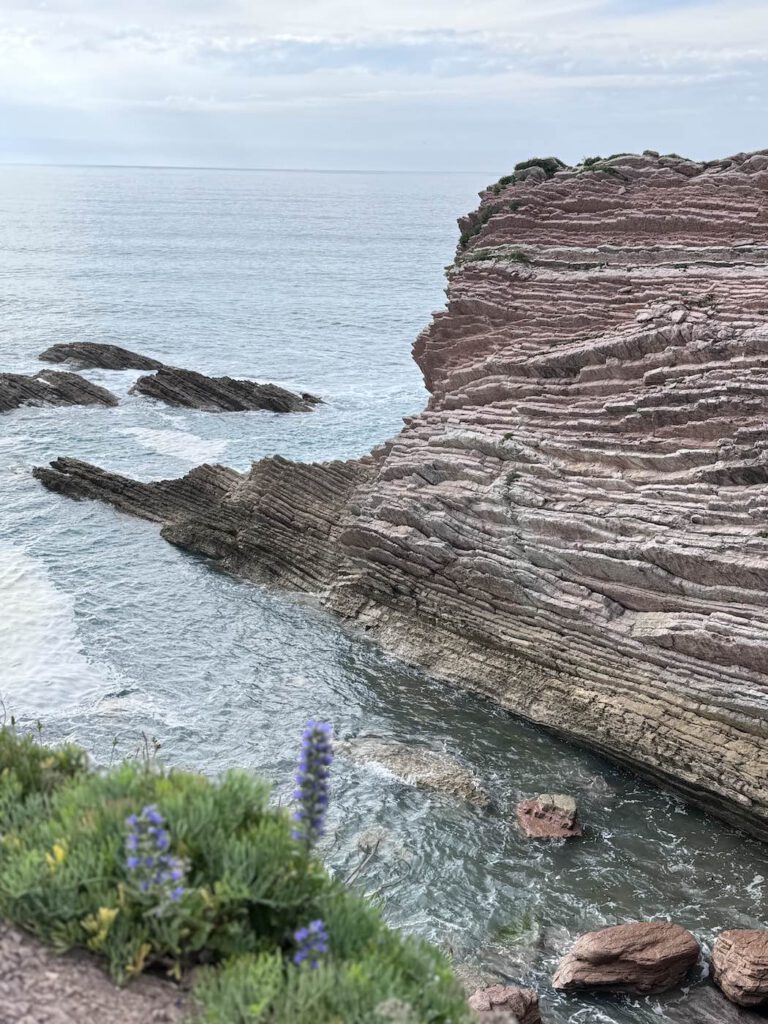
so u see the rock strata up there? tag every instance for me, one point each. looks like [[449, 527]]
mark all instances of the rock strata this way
[[50, 387], [419, 766], [522, 1004], [89, 354], [577, 524], [644, 957], [740, 966], [549, 816], [219, 394]]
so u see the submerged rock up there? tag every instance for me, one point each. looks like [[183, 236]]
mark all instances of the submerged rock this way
[[194, 390], [522, 1004], [740, 966], [419, 766], [549, 816], [91, 354], [644, 957], [50, 387], [704, 1004]]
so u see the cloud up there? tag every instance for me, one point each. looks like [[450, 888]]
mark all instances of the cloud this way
[[103, 57]]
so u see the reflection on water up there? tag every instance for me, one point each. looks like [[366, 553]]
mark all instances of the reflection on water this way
[[108, 632]]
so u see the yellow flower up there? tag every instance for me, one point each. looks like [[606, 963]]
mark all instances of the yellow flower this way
[[99, 925], [56, 856], [137, 965]]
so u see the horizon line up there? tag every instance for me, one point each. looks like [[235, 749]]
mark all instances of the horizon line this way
[[229, 167]]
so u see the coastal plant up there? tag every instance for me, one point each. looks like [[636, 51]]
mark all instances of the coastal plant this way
[[167, 870]]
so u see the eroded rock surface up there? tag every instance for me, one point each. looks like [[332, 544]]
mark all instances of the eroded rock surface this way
[[740, 966], [521, 1004], [419, 766], [50, 387], [549, 816], [90, 354], [704, 1004], [577, 524], [219, 394], [644, 957]]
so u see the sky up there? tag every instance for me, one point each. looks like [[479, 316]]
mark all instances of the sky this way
[[445, 85]]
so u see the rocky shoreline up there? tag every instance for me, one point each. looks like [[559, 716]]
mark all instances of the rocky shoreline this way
[[577, 525]]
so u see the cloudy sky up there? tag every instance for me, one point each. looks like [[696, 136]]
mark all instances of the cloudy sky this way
[[367, 84]]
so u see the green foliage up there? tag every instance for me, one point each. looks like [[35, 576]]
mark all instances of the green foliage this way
[[248, 886], [260, 990], [549, 164]]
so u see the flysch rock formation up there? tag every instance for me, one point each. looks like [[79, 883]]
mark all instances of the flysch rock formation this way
[[194, 390], [92, 354], [577, 524], [50, 387]]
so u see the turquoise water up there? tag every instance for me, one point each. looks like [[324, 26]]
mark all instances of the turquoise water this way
[[318, 282]]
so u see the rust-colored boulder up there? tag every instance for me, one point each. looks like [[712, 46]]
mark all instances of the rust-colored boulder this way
[[740, 966], [647, 956], [522, 1004], [549, 816]]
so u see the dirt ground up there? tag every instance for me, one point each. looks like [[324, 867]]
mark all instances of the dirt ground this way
[[39, 987]]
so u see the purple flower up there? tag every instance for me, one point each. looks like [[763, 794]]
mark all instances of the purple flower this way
[[153, 869], [313, 781], [311, 943]]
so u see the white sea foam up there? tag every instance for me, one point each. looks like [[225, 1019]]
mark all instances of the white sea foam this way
[[44, 667], [178, 443]]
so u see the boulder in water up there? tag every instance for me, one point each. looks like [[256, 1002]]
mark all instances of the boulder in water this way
[[91, 354], [549, 816], [193, 390], [740, 966], [643, 957], [510, 1002]]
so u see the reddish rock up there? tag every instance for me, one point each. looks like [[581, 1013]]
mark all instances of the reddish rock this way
[[549, 816], [500, 1000], [740, 966], [648, 956]]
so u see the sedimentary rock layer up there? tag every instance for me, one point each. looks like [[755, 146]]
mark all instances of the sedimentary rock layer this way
[[89, 354], [50, 387], [219, 394], [577, 524]]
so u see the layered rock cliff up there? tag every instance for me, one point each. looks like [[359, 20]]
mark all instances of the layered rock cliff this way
[[577, 524]]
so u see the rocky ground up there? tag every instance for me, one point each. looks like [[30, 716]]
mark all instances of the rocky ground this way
[[38, 987], [50, 387]]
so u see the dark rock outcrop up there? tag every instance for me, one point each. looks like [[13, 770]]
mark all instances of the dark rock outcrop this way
[[50, 387], [219, 394], [91, 354], [521, 1004], [704, 1004], [644, 957], [549, 816], [740, 966], [577, 524]]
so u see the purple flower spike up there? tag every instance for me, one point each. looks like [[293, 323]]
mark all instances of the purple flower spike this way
[[313, 781], [311, 943], [152, 869]]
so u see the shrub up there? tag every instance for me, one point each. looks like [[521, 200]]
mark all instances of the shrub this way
[[232, 888]]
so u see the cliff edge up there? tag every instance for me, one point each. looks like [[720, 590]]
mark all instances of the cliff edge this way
[[577, 524]]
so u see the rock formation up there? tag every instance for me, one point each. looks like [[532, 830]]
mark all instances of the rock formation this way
[[90, 354], [644, 957], [577, 524], [549, 816], [50, 387], [740, 966], [520, 1003], [419, 766], [219, 394]]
